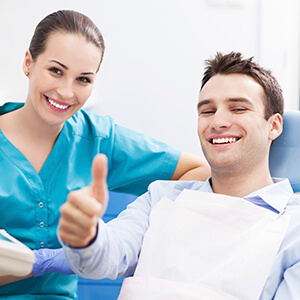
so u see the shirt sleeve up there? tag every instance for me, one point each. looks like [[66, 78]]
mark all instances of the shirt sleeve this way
[[137, 160], [115, 251], [289, 287]]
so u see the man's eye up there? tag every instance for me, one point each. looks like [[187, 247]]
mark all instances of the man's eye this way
[[55, 71], [84, 79], [239, 109], [206, 112]]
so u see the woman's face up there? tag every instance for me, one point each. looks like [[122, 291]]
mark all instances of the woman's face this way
[[62, 77]]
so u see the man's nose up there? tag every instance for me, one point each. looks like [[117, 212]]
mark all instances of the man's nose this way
[[221, 119]]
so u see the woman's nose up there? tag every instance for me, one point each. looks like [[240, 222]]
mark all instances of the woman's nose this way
[[65, 90]]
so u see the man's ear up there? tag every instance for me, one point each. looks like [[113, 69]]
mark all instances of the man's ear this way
[[275, 126], [27, 63]]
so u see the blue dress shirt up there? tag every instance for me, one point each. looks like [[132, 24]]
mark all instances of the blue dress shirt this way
[[115, 251]]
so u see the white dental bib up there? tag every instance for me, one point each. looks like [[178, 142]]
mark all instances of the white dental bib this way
[[206, 246]]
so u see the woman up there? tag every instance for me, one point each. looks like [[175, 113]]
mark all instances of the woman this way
[[48, 144]]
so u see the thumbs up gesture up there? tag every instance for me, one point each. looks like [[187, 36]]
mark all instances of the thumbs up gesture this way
[[80, 214]]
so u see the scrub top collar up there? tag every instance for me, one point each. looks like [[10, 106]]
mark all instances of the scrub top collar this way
[[276, 195]]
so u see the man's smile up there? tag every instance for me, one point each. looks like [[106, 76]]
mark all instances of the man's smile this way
[[224, 140]]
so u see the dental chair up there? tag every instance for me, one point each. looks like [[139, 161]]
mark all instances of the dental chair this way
[[284, 162], [285, 151]]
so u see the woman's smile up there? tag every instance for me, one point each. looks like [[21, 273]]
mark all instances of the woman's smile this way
[[56, 105]]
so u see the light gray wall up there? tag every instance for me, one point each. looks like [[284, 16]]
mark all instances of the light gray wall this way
[[152, 68]]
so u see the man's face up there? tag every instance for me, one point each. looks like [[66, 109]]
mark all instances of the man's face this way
[[233, 132]]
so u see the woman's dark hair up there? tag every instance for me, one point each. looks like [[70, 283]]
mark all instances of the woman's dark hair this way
[[67, 21], [234, 63]]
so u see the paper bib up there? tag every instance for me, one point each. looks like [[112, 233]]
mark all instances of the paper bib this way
[[206, 246]]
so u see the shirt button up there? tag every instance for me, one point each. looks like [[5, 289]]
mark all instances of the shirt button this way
[[42, 224], [41, 204], [42, 244]]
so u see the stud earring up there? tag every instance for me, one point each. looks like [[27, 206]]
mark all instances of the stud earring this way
[[27, 73]]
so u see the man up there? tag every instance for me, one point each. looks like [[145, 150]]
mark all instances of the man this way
[[235, 236]]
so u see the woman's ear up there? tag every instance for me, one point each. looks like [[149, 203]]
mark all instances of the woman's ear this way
[[27, 63], [275, 126]]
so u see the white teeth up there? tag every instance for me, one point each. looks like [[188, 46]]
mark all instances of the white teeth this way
[[56, 104], [224, 140]]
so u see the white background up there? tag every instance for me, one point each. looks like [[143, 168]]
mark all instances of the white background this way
[[152, 68]]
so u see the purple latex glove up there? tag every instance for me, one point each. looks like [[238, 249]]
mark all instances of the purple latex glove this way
[[50, 260]]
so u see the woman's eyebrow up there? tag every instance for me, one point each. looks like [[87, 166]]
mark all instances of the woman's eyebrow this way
[[87, 73], [62, 65], [66, 68]]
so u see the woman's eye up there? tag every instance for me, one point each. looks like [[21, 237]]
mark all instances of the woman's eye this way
[[55, 71], [84, 79]]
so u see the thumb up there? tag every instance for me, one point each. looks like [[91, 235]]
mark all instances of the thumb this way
[[99, 173]]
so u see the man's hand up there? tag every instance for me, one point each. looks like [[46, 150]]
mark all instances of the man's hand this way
[[80, 214]]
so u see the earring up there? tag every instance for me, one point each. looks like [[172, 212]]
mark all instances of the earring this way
[[27, 73]]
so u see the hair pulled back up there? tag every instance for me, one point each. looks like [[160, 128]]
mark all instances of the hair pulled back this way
[[67, 21]]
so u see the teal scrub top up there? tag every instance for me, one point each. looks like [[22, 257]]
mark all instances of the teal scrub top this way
[[29, 202]]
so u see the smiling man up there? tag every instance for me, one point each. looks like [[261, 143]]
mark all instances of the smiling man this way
[[234, 236], [235, 132]]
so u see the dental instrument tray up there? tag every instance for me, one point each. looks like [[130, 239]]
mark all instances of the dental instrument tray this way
[[15, 257]]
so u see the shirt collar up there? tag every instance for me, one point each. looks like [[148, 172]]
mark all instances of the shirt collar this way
[[276, 195]]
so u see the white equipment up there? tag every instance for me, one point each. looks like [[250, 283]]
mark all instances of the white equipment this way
[[15, 257]]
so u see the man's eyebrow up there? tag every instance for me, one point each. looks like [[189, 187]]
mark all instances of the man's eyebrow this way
[[240, 100], [203, 102], [230, 100]]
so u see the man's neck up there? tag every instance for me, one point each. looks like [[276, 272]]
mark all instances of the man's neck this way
[[240, 185]]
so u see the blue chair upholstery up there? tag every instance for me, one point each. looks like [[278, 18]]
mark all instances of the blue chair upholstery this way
[[285, 150], [105, 289]]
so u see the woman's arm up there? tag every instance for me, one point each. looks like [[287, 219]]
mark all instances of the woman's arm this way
[[46, 261], [6, 279], [191, 167]]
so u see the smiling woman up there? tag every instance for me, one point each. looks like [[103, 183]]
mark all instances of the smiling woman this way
[[61, 79], [48, 144]]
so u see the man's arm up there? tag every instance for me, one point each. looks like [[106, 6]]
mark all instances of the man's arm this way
[[95, 249], [191, 167], [289, 287]]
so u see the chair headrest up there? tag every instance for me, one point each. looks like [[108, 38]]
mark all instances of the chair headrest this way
[[285, 151]]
